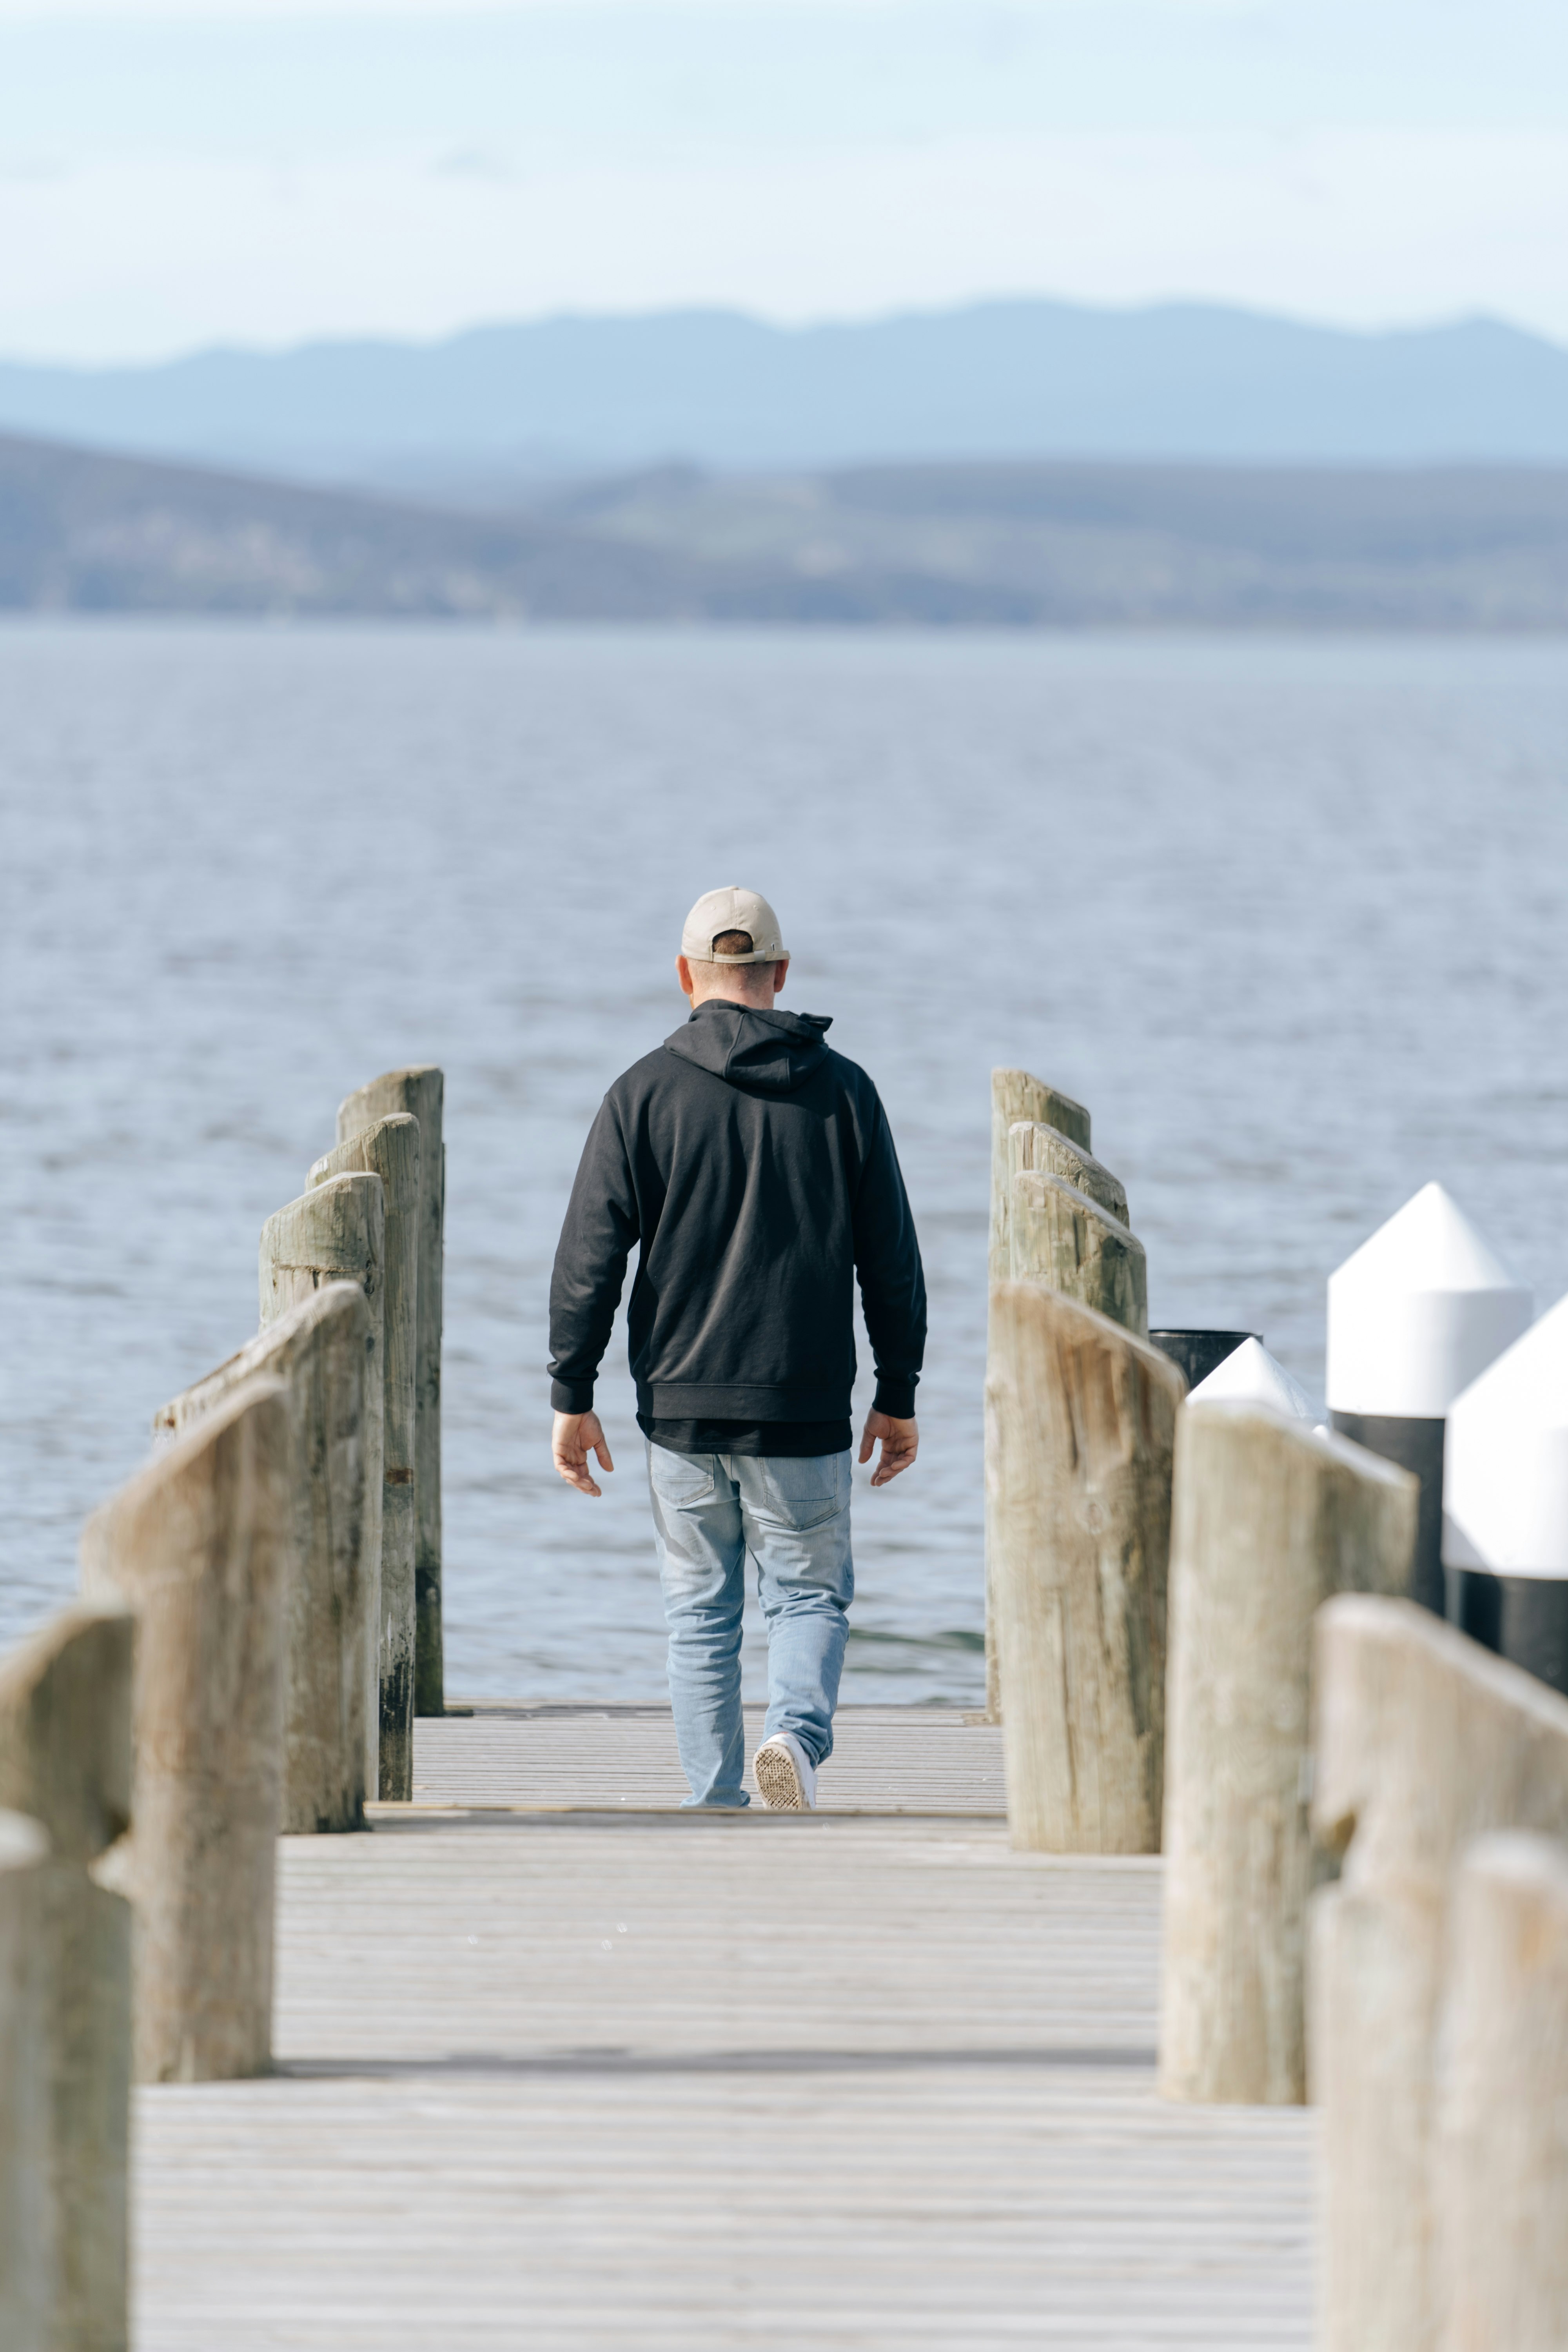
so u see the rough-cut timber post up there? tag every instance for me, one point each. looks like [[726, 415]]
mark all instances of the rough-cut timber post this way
[[1081, 1425], [1423, 1741], [200, 1544], [321, 1349], [1014, 1096], [65, 1760], [1050, 1153], [421, 1092], [390, 1149], [1017, 1097], [337, 1233], [27, 2250], [1060, 1236], [1500, 2165], [1268, 1520]]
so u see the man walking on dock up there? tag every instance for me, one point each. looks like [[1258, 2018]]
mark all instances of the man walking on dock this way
[[754, 1170]]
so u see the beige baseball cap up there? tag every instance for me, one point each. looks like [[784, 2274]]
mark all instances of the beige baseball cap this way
[[731, 909]]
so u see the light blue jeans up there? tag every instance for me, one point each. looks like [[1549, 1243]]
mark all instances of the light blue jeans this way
[[790, 1516]]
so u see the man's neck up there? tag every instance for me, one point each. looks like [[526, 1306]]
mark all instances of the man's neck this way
[[742, 1003]]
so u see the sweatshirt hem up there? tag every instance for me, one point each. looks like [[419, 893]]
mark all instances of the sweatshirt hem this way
[[750, 1400]]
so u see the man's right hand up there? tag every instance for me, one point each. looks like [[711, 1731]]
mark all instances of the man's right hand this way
[[573, 1438]]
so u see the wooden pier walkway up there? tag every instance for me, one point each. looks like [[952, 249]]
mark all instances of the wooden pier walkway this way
[[560, 2066]]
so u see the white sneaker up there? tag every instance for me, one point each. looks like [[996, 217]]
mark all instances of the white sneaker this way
[[786, 1777]]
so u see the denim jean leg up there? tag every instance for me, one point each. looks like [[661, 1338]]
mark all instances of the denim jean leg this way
[[797, 1514], [701, 1566]]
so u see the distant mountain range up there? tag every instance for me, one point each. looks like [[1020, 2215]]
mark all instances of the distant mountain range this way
[[485, 417], [1005, 545]]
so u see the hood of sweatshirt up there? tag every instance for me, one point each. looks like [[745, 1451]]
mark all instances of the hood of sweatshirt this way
[[772, 1052]]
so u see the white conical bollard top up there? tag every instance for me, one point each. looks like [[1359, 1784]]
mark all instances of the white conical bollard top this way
[[1417, 1312], [1429, 1245], [1505, 1460], [1250, 1375]]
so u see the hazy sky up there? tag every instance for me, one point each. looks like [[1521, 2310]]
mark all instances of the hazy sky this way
[[211, 171]]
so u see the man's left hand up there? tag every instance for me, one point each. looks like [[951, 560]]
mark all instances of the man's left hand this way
[[575, 1436], [900, 1442]]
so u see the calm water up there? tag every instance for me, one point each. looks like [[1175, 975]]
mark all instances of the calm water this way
[[1288, 917]]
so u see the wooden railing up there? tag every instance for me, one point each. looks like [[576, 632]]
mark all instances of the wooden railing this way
[[247, 1659]]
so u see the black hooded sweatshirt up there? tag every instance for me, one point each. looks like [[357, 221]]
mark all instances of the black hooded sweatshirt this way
[[756, 1168]]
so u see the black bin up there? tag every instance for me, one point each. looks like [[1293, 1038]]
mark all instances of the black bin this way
[[1196, 1353]]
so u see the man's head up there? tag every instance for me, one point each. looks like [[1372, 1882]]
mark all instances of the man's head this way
[[731, 948]]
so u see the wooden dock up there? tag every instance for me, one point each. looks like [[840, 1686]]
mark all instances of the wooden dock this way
[[561, 2066]]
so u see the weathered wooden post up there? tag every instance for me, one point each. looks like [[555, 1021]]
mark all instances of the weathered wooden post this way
[[1059, 1235], [322, 1349], [65, 1760], [1413, 1315], [421, 1092], [1505, 1513], [1422, 1742], [337, 1233], [200, 1544], [1081, 1425], [1268, 1519], [390, 1149], [27, 2250], [1016, 1096], [1046, 1152], [1501, 2159]]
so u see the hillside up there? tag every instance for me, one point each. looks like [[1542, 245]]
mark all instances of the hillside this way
[[1072, 546], [1018, 380], [1026, 546], [81, 532]]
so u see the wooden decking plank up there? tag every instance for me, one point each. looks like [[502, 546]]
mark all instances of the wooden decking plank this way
[[866, 2081], [701, 2212], [917, 1937], [885, 1759]]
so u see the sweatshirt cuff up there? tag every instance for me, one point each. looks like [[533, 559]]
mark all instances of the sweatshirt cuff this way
[[573, 1396], [895, 1397]]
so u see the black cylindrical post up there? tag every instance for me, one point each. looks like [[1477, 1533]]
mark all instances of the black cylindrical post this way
[[1505, 1503], [1417, 1445]]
